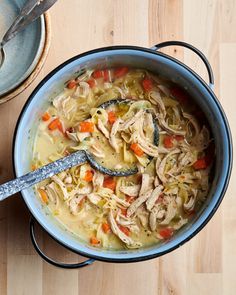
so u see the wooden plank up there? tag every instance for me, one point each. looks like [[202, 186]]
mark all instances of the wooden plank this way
[[228, 82], [166, 23], [200, 29]]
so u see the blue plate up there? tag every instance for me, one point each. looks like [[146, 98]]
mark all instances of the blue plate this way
[[22, 52]]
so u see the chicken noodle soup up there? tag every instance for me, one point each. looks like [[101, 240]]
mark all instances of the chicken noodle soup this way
[[173, 174]]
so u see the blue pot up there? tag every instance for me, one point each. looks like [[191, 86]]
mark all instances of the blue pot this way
[[138, 57]]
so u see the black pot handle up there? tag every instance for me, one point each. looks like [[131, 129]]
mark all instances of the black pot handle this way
[[50, 260], [194, 49]]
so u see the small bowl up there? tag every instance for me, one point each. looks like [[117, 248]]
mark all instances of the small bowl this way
[[28, 50]]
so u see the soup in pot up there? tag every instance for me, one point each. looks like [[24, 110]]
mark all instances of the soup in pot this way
[[174, 171]]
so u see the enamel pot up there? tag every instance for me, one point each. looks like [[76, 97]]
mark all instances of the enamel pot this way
[[157, 62]]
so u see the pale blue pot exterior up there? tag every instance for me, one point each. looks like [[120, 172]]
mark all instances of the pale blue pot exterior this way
[[137, 57]]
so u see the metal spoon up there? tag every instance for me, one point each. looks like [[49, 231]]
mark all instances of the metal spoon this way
[[77, 158], [31, 10]]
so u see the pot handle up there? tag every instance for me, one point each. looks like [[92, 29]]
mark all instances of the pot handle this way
[[50, 260], [194, 49]]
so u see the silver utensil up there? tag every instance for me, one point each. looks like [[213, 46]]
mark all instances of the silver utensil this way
[[9, 188], [77, 158], [31, 10]]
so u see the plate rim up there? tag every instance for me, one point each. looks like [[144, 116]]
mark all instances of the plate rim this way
[[35, 70]]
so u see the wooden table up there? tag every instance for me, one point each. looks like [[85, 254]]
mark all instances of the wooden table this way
[[207, 263]]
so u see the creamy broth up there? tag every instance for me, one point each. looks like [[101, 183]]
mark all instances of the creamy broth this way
[[173, 175]]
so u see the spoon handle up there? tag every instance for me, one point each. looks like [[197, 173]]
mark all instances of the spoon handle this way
[[29, 13], [9, 188]]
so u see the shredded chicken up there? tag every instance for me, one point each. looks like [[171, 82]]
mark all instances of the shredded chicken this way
[[123, 237], [144, 194], [112, 138], [103, 129], [154, 197], [131, 190]]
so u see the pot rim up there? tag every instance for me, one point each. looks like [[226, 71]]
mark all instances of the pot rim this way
[[227, 128]]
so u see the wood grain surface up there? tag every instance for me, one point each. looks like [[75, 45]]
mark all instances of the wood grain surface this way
[[206, 264]]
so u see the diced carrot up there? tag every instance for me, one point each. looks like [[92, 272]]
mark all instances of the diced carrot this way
[[125, 230], [106, 227], [106, 75], [86, 126], [94, 241], [91, 83], [120, 72], [54, 124], [43, 195], [97, 74], [147, 84], [129, 199], [179, 137], [110, 183], [112, 117], [168, 142], [33, 167], [166, 233], [137, 149], [180, 94], [200, 164], [124, 211], [71, 84], [46, 116], [88, 175]]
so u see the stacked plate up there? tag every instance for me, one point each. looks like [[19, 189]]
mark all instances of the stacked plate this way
[[25, 54]]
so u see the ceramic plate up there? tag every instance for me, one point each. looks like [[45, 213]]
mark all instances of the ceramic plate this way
[[22, 52]]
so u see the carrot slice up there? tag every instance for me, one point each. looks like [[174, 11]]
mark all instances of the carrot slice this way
[[91, 83], [94, 241], [120, 72], [43, 195], [88, 176], [166, 233], [54, 124], [137, 149], [33, 167], [46, 116], [71, 84], [97, 74], [112, 117], [125, 230], [200, 164], [168, 142], [86, 126], [106, 227], [147, 84], [110, 183]]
